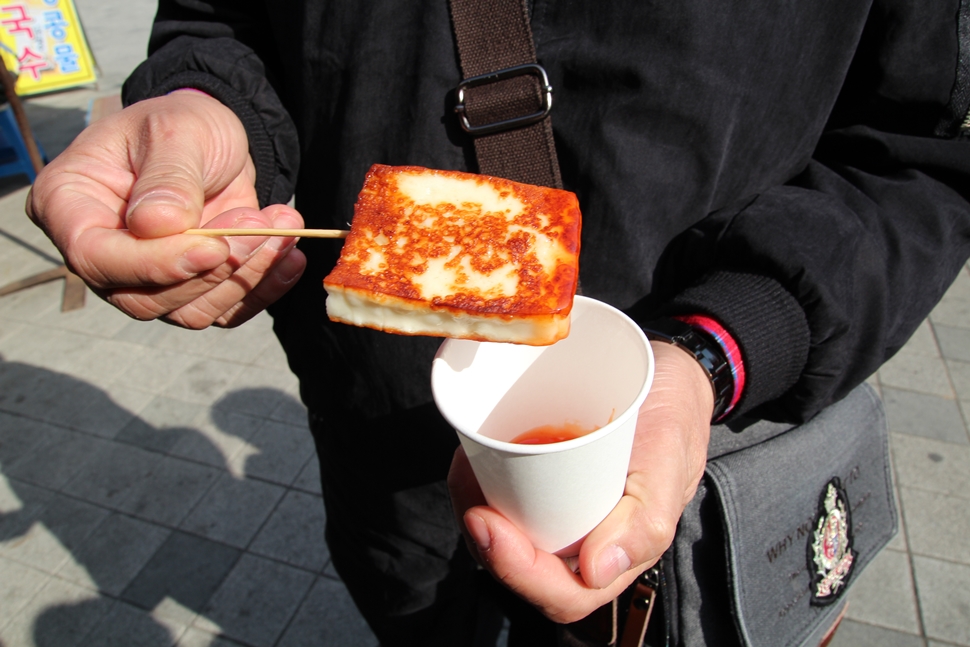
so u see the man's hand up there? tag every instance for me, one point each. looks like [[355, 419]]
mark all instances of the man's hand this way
[[669, 455], [116, 201]]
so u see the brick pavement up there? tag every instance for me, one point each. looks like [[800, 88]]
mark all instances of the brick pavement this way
[[158, 487]]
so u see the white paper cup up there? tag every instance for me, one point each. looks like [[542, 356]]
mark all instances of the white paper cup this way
[[597, 377]]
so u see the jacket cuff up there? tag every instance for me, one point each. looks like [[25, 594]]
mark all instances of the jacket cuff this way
[[765, 320], [230, 72]]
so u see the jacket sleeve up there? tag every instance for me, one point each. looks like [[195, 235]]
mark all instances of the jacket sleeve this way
[[823, 279], [217, 47]]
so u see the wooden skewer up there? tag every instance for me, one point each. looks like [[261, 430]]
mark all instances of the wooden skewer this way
[[302, 233]]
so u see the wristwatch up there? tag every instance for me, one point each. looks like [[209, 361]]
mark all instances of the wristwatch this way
[[705, 350]]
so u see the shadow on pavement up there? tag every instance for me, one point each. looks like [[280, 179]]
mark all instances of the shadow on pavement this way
[[12, 183], [54, 127], [177, 572]]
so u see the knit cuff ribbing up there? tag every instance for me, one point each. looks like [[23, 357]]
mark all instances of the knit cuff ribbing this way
[[764, 319]]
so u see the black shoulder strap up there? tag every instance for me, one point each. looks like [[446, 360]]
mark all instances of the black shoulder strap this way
[[505, 97]]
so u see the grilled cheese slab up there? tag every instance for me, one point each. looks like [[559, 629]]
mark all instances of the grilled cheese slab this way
[[453, 254]]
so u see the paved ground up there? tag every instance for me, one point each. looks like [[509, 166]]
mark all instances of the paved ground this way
[[158, 487]]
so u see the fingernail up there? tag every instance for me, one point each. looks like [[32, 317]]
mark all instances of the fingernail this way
[[610, 564], [245, 247], [200, 258], [158, 199], [478, 529], [289, 269], [281, 243], [287, 220]]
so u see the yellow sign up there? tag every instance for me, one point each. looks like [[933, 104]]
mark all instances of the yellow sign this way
[[42, 42]]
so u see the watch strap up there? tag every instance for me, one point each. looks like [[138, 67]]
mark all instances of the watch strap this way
[[727, 343], [708, 353]]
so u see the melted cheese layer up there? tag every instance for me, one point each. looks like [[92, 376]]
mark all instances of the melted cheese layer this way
[[389, 314]]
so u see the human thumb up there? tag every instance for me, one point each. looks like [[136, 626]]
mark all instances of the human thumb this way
[[184, 148]]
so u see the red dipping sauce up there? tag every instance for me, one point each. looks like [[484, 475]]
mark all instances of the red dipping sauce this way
[[547, 434]]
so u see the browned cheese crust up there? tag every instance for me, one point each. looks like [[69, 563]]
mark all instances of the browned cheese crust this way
[[460, 244]]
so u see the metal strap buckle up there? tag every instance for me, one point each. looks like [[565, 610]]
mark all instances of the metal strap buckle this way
[[499, 75]]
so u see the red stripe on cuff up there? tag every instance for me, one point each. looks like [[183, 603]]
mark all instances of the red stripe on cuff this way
[[195, 90]]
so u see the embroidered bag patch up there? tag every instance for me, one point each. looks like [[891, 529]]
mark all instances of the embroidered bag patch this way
[[830, 553]]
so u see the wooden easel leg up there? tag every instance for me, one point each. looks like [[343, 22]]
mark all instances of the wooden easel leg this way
[[74, 288], [74, 292]]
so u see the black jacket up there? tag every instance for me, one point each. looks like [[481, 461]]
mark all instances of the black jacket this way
[[795, 169]]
